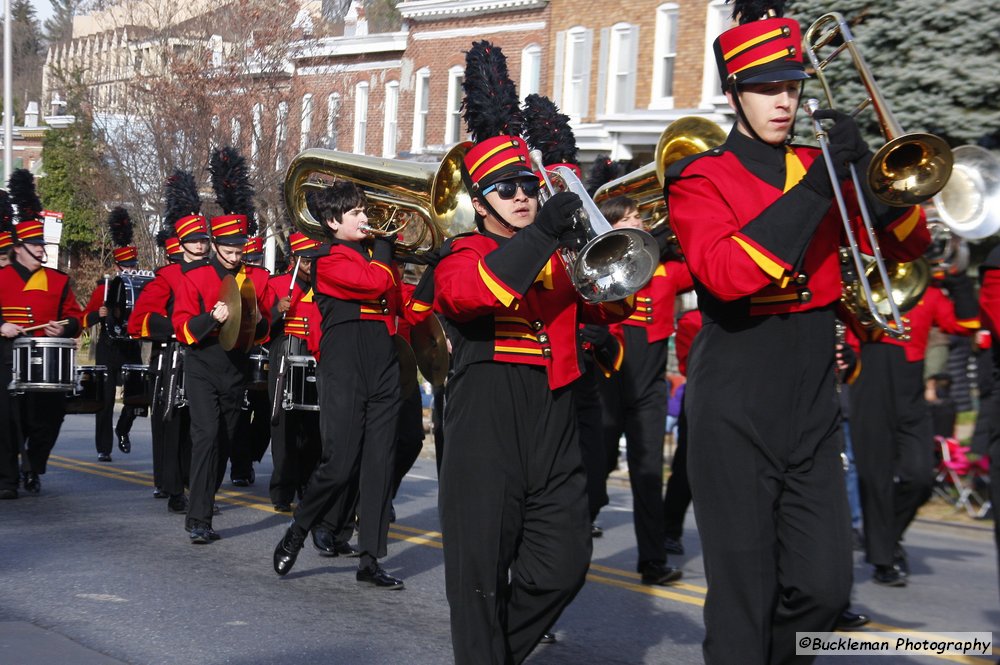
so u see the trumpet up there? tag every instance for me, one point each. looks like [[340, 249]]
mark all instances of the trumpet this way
[[613, 263]]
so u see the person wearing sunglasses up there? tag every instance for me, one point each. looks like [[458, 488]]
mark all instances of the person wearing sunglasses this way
[[512, 499]]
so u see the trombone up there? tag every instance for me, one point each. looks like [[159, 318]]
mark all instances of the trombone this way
[[908, 170]]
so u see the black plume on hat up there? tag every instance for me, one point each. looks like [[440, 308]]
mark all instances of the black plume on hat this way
[[22, 194], [601, 172], [491, 106], [121, 226], [231, 182], [746, 11], [548, 130], [181, 197], [6, 212]]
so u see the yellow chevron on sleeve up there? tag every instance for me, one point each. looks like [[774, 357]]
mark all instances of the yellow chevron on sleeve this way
[[770, 267], [502, 294], [903, 229]]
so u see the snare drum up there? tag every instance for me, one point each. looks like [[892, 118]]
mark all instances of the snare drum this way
[[123, 292], [44, 364], [88, 397], [258, 369], [137, 385], [300, 387]]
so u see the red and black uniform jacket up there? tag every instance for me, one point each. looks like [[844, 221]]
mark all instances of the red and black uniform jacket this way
[[357, 282], [34, 298], [758, 241], [654, 303], [152, 313], [501, 308], [97, 300], [192, 318], [302, 319], [688, 326], [989, 299]]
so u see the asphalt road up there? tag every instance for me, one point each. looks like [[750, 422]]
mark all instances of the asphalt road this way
[[95, 571]]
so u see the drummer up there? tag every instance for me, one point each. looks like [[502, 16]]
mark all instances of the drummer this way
[[255, 421], [114, 350], [31, 295]]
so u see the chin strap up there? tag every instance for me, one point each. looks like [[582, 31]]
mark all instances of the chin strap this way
[[503, 222], [734, 89]]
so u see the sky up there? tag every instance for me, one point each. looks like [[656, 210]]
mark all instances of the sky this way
[[43, 10]]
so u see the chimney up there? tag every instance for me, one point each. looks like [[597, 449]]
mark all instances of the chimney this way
[[31, 115]]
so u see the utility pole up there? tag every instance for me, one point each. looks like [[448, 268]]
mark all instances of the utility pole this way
[[8, 95]]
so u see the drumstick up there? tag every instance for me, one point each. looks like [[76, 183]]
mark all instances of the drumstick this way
[[42, 325]]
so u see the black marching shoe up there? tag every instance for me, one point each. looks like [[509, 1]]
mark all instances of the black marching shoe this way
[[282, 507], [244, 481], [8, 494], [595, 532], [888, 576], [178, 503], [849, 619], [124, 443], [659, 574], [548, 638], [32, 483], [673, 545], [201, 533], [104, 457], [327, 545], [900, 562], [288, 549], [159, 494], [377, 577]]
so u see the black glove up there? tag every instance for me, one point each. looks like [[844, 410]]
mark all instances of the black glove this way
[[845, 140], [595, 334], [665, 242], [556, 216], [963, 295], [383, 249]]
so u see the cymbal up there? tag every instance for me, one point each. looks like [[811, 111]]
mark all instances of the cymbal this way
[[407, 368], [229, 293], [430, 346], [248, 320]]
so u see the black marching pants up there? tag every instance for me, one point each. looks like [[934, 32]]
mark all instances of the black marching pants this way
[[113, 354], [892, 436], [295, 439], [171, 438], [214, 381], [358, 384], [598, 452], [513, 506], [768, 484], [409, 438], [9, 440], [635, 400], [678, 495]]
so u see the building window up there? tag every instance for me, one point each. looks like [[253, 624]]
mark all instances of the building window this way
[[718, 20], [332, 115], [389, 119], [305, 126], [360, 117], [573, 54], [257, 135], [280, 136], [664, 57], [531, 70], [453, 121], [621, 49], [235, 130], [421, 104]]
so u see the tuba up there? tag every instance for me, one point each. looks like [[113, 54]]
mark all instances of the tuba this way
[[424, 203], [682, 138]]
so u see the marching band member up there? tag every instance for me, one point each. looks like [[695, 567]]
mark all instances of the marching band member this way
[[6, 229], [214, 379], [358, 294], [152, 319], [30, 295], [891, 429], [755, 223], [255, 421], [516, 529], [989, 308], [10, 479], [635, 398], [110, 351]]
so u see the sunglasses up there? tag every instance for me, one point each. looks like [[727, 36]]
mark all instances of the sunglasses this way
[[507, 189]]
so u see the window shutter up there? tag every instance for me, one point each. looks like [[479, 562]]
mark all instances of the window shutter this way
[[603, 104], [633, 59], [557, 78], [588, 41]]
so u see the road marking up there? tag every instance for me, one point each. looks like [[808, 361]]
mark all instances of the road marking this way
[[433, 539]]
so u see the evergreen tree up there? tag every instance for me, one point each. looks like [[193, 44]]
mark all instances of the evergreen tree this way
[[935, 63], [72, 167], [59, 27]]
